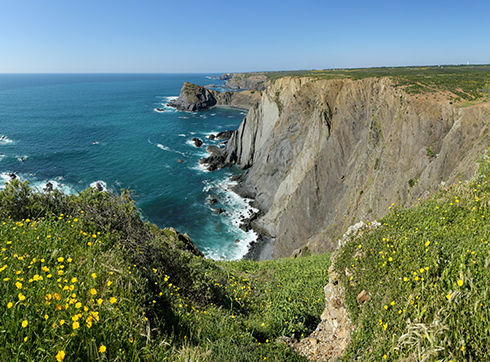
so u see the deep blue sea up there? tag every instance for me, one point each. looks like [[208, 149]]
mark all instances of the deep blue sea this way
[[77, 130]]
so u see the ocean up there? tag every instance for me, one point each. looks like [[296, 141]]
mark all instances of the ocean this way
[[79, 130]]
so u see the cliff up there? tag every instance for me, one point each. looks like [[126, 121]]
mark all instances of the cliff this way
[[194, 98], [246, 81], [322, 155]]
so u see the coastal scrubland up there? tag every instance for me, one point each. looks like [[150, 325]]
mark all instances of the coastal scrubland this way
[[426, 271], [84, 279], [465, 83]]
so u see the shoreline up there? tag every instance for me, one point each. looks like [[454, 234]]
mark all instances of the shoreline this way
[[260, 250]]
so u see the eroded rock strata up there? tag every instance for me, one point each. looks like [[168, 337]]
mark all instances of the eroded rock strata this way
[[195, 97], [322, 155]]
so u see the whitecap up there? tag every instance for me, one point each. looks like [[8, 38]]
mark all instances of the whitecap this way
[[6, 177], [40, 186], [163, 147], [200, 167], [181, 135], [238, 208], [4, 140], [99, 185]]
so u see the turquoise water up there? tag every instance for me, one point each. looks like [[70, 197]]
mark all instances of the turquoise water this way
[[76, 130]]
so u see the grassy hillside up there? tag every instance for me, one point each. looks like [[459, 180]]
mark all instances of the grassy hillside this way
[[426, 270], [84, 279], [463, 82]]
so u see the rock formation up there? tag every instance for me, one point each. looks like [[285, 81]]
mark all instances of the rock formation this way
[[247, 81], [195, 97], [322, 155]]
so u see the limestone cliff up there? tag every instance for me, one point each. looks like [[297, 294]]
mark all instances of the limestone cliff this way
[[194, 98], [322, 155]]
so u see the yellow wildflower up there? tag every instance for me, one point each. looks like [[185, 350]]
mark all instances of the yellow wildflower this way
[[60, 356]]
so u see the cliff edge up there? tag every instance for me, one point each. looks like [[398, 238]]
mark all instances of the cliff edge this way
[[323, 154]]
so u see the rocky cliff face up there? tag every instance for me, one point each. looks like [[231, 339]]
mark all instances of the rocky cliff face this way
[[194, 98], [247, 81], [322, 155]]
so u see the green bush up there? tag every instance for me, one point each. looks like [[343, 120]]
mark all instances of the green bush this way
[[84, 279]]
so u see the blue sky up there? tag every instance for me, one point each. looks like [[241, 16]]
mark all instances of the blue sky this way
[[217, 36]]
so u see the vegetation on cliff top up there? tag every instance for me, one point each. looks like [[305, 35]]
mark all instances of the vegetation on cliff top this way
[[468, 82], [84, 279], [426, 271]]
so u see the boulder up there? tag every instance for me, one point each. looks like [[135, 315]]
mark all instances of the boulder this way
[[197, 142]]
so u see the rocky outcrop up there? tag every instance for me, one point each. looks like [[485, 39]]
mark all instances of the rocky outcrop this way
[[324, 154], [216, 159], [238, 100], [330, 339], [225, 76], [195, 97]]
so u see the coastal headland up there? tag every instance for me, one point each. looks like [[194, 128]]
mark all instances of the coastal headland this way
[[324, 150], [319, 151]]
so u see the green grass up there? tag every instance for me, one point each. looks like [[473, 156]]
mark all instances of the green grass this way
[[468, 82], [427, 270], [84, 279]]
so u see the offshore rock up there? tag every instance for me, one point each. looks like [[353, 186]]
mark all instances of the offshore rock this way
[[195, 98], [197, 142]]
